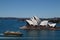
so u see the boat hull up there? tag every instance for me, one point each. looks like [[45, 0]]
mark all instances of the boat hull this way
[[12, 34]]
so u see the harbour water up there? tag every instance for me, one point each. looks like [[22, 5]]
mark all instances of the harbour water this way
[[13, 25]]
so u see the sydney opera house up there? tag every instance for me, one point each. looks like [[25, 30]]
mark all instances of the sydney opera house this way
[[36, 23]]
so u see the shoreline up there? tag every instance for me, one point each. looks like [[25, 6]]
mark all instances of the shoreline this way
[[39, 28], [55, 20]]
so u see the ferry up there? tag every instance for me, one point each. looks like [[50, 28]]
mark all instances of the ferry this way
[[12, 33]]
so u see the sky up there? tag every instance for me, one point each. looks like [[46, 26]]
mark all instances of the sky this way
[[29, 8]]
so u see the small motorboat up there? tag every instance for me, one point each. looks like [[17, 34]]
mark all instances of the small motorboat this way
[[12, 33]]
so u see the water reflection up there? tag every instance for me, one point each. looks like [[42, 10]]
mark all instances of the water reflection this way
[[43, 34], [35, 35], [52, 35], [47, 35], [40, 34]]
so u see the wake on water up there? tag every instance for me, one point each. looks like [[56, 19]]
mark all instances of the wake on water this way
[[1, 34]]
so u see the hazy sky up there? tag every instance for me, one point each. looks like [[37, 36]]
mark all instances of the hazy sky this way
[[28, 8]]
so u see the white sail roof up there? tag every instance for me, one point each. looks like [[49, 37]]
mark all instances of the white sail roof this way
[[45, 22], [30, 22], [34, 21], [37, 19], [52, 24]]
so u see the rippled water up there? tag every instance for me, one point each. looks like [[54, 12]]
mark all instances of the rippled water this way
[[13, 25]]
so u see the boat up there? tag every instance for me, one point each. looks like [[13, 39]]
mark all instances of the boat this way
[[12, 33]]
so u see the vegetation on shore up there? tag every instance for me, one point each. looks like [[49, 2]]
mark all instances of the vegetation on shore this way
[[55, 20]]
